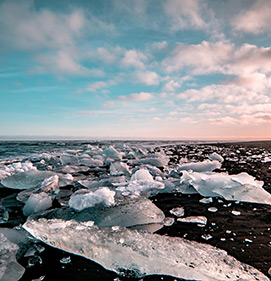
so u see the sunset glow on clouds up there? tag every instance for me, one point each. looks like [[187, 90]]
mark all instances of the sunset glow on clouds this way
[[151, 69]]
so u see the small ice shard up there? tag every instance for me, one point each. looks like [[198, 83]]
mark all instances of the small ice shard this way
[[204, 166], [216, 156], [37, 202], [212, 209], [84, 198], [178, 212], [10, 269], [206, 200], [194, 219], [236, 213], [65, 260], [248, 240], [142, 253], [168, 221], [241, 187], [119, 168], [207, 237]]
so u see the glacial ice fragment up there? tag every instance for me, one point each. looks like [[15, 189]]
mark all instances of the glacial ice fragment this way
[[119, 168], [16, 168], [154, 159], [204, 166], [26, 180], [194, 219], [37, 202], [241, 187], [178, 212], [142, 253], [127, 212], [84, 198], [10, 269], [216, 156]]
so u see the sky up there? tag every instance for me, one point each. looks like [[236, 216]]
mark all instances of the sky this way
[[135, 69]]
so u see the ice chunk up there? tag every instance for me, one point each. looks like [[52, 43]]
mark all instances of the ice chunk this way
[[65, 179], [49, 186], [178, 212], [125, 251], [212, 209], [10, 269], [141, 183], [112, 153], [37, 202], [204, 166], [154, 159], [216, 156], [241, 187], [119, 168], [194, 219], [67, 159], [142, 175], [90, 162], [26, 180], [16, 168], [84, 198], [127, 212], [206, 200]]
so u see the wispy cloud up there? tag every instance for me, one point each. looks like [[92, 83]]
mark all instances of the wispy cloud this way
[[256, 19], [143, 96]]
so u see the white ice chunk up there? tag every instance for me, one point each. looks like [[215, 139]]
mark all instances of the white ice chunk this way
[[37, 202], [178, 212], [206, 200], [16, 168], [204, 166], [216, 156], [194, 219], [125, 251], [119, 168], [10, 269], [84, 198], [142, 175], [241, 187]]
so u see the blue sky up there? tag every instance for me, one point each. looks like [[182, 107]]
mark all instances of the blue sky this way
[[172, 69]]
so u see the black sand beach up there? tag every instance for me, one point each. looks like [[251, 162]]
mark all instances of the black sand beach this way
[[246, 234]]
